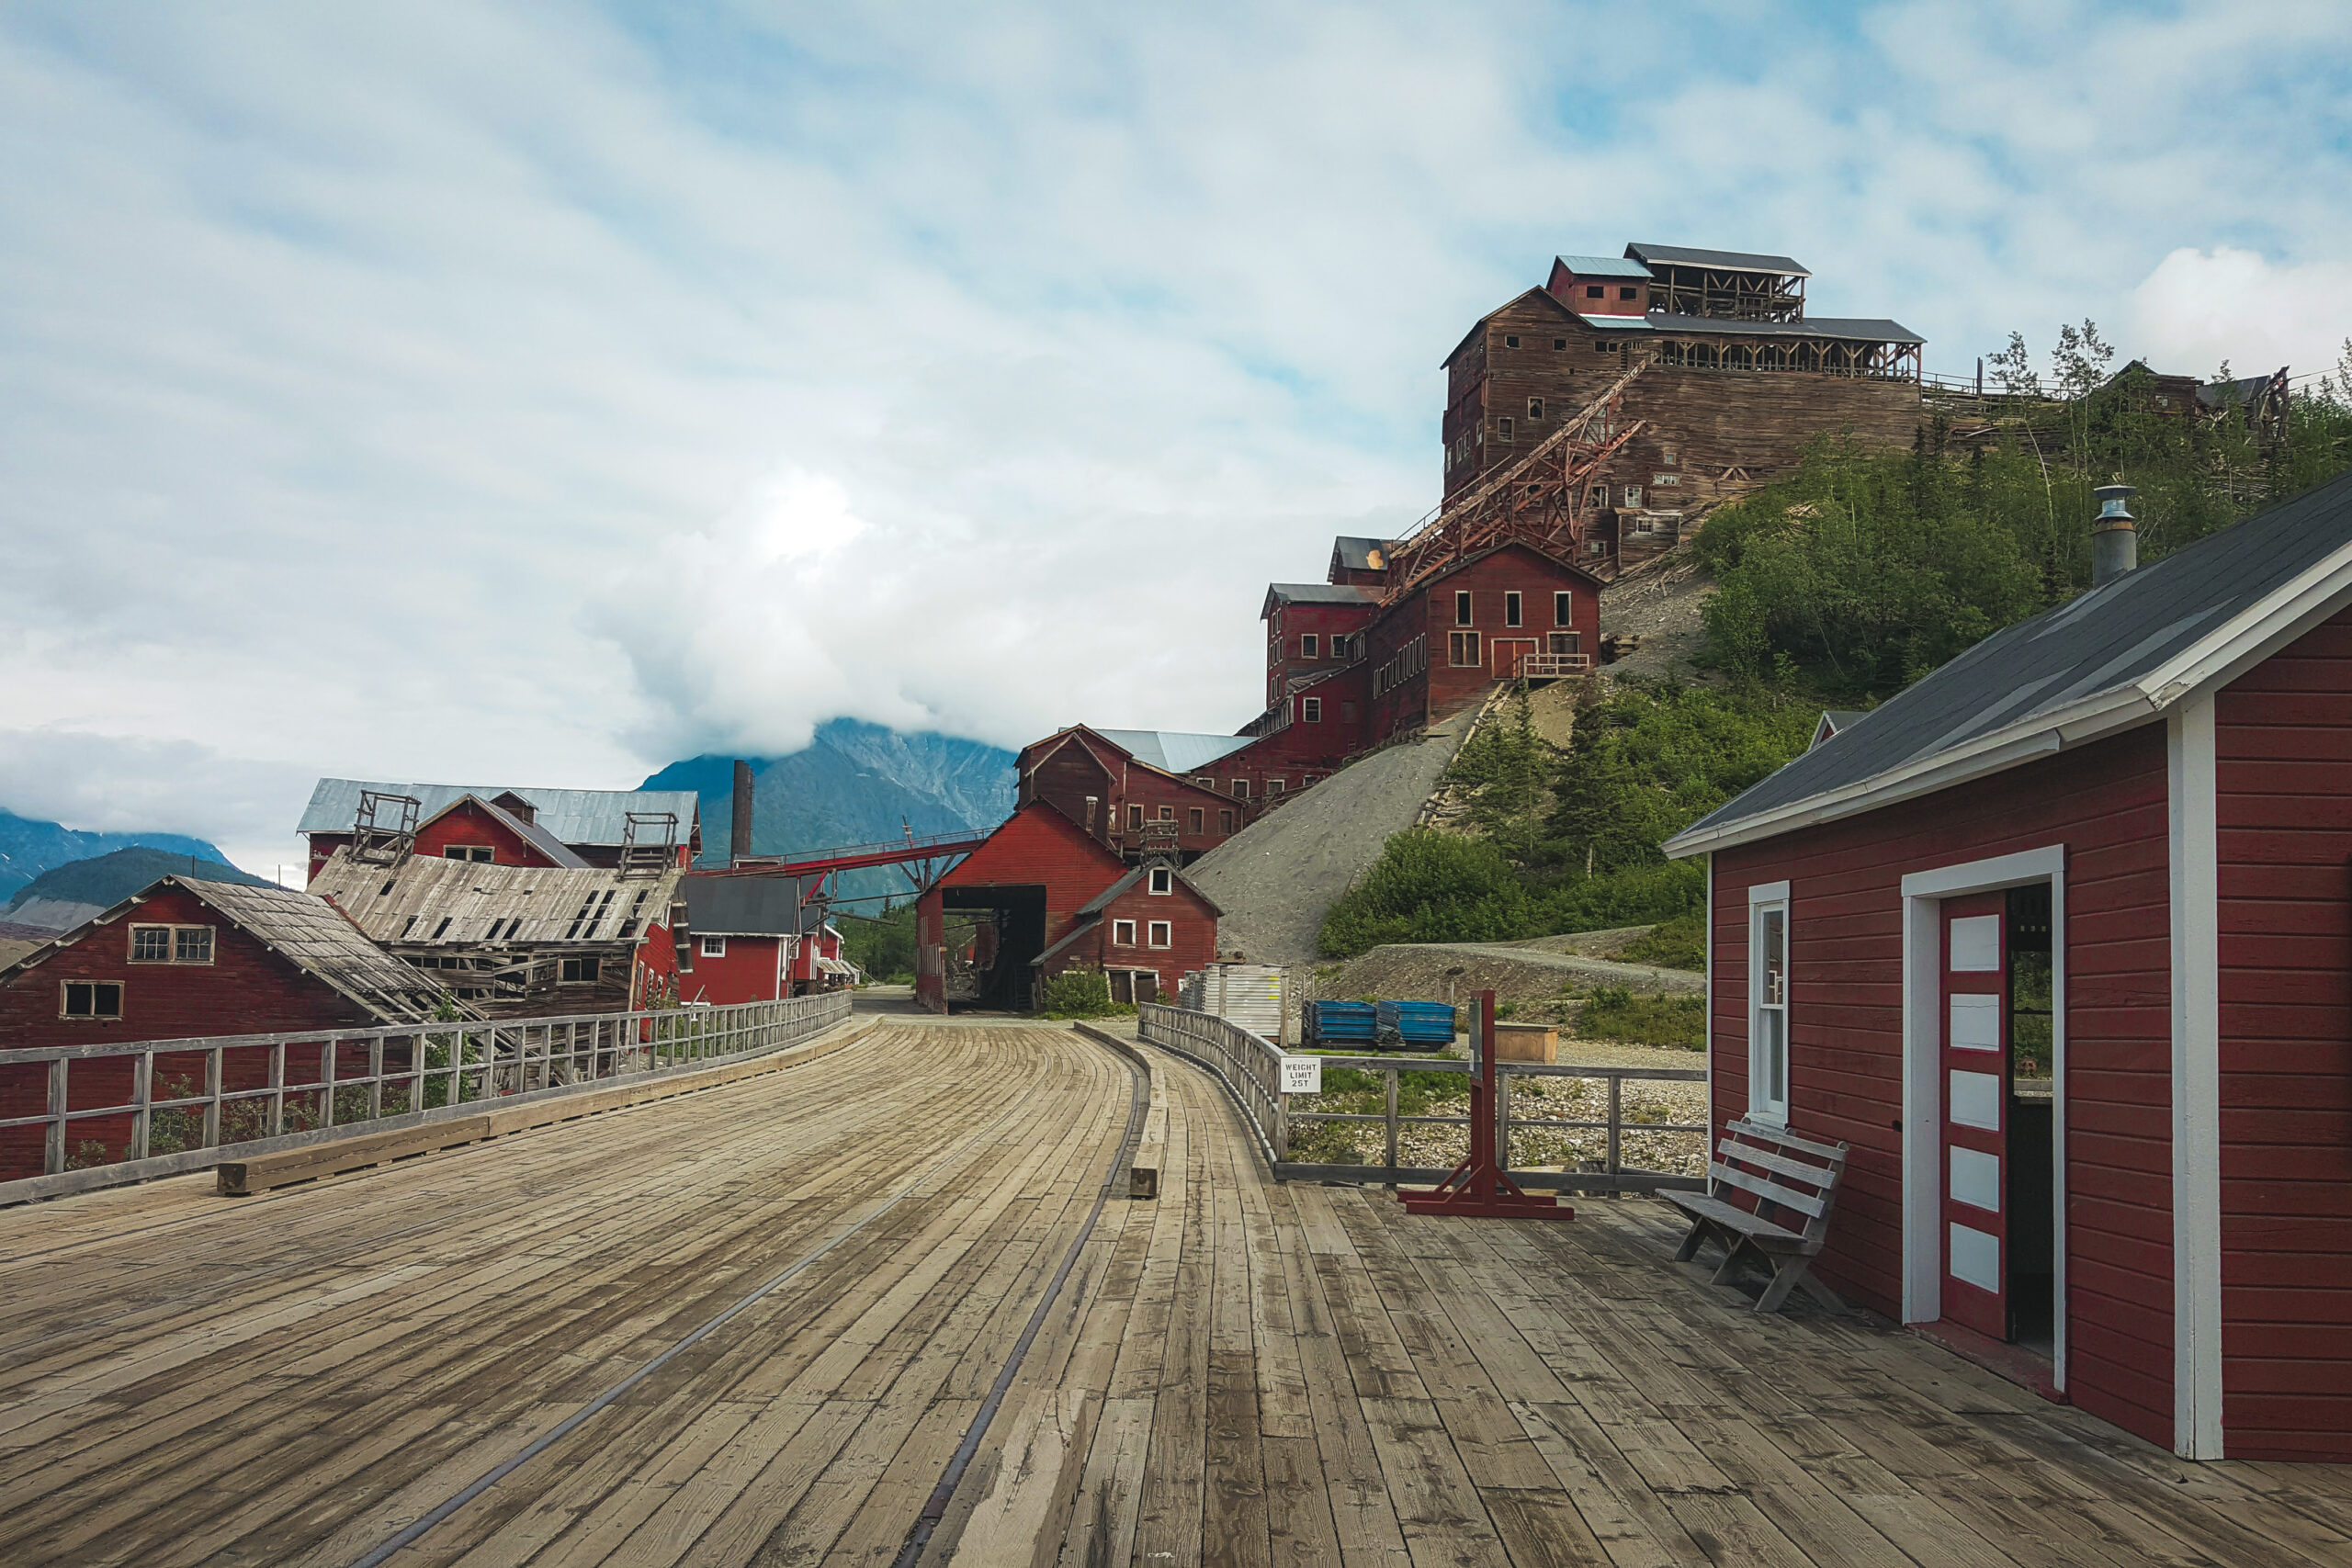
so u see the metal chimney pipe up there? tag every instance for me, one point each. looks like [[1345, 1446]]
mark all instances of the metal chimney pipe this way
[[739, 818], [2115, 542]]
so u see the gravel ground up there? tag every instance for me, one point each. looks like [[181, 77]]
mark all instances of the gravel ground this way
[[1277, 877], [1533, 1148], [1661, 604]]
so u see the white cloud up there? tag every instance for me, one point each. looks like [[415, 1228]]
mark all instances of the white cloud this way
[[2198, 308], [484, 391]]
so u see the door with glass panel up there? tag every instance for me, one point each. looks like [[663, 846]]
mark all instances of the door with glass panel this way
[[1976, 1060]]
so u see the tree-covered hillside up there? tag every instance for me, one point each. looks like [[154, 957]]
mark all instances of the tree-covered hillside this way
[[1836, 587]]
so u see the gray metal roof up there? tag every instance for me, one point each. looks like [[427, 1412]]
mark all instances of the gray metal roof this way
[[425, 902], [1315, 593], [735, 905], [301, 928], [1729, 260], [1854, 329], [572, 815], [2105, 641], [1174, 751], [1604, 266]]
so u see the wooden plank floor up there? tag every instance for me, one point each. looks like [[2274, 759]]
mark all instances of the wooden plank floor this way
[[1239, 1372]]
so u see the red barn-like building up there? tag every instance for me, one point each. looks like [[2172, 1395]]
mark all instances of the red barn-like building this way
[[980, 930], [599, 826], [179, 960], [2059, 940]]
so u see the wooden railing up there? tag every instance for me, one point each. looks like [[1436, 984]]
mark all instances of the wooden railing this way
[[1551, 666], [1251, 1070], [176, 1105]]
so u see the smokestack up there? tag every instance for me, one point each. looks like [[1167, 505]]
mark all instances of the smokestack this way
[[2115, 542], [738, 819]]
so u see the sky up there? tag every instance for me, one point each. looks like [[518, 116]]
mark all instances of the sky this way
[[536, 393]]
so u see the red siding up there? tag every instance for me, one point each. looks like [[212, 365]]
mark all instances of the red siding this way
[[246, 989], [1430, 611], [1066, 770], [467, 823], [748, 973], [2106, 804], [1285, 658], [2283, 749], [1192, 936]]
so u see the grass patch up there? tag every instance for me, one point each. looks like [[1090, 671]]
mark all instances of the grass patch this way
[[1612, 1013]]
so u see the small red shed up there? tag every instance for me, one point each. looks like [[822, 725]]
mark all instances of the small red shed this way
[[1145, 931], [2059, 940], [740, 936]]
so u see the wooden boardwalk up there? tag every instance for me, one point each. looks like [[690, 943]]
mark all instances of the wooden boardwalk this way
[[1239, 1373]]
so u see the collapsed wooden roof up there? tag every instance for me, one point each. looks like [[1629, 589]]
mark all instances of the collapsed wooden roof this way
[[428, 902]]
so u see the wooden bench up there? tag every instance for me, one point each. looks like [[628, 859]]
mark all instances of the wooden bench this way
[[1790, 1183]]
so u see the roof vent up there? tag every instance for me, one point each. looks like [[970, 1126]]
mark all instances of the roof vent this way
[[2115, 542]]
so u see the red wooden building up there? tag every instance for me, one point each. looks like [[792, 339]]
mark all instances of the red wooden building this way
[[177, 960], [2059, 940], [1441, 646], [1136, 791], [1144, 932], [756, 939], [980, 929]]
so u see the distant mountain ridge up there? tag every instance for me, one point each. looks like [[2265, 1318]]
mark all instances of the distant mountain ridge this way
[[854, 784], [65, 895], [29, 847]]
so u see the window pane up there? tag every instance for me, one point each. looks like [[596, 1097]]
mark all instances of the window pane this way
[[78, 994], [1772, 1054], [193, 944], [1776, 966], [151, 945]]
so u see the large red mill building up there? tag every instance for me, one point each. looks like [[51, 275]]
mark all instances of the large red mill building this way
[[1588, 424]]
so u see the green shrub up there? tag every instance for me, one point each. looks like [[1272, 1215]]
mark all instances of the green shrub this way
[[1613, 1012], [1678, 944], [1080, 993]]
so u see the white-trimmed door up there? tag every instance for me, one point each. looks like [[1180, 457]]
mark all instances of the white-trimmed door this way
[[1976, 1061]]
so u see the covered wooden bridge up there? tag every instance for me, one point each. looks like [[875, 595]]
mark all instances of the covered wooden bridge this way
[[758, 1325]]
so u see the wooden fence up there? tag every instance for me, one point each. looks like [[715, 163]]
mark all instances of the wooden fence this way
[[129, 1111], [1251, 1069]]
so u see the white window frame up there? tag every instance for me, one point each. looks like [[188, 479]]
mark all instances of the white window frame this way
[[1162, 883], [1123, 933], [1160, 933], [1464, 614], [1767, 1102], [1310, 646], [173, 940], [714, 947], [1311, 709], [1512, 607], [1241, 789]]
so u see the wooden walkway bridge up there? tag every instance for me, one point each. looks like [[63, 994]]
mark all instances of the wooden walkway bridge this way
[[756, 1325]]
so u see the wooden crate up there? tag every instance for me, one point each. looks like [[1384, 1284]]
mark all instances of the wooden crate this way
[[1526, 1042]]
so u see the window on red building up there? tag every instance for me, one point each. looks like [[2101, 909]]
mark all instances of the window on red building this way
[[91, 998], [1311, 709], [1123, 933], [714, 947], [1163, 881], [1563, 609], [1461, 649], [1195, 818], [1462, 608], [1135, 816], [1510, 608], [1310, 646], [1241, 789], [1225, 821], [482, 852], [1163, 933]]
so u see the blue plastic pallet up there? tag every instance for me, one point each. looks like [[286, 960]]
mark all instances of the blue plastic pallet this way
[[1414, 1023], [1351, 1023]]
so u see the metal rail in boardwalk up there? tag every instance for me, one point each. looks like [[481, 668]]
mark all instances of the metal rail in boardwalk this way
[[1251, 1070], [178, 1105]]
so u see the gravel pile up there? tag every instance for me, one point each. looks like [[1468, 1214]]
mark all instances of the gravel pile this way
[[1275, 878]]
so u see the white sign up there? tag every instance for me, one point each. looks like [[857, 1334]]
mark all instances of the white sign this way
[[1302, 1074]]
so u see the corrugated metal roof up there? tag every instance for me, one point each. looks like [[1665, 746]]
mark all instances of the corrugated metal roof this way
[[1175, 752], [1851, 329], [572, 815], [449, 903], [2100, 642], [1730, 261], [1604, 266], [1313, 593], [750, 905]]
